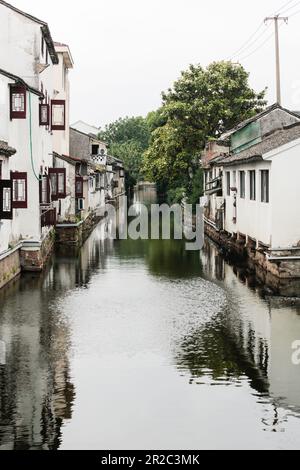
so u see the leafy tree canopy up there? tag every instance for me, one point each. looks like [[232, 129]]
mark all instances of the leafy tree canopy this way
[[127, 139], [202, 104]]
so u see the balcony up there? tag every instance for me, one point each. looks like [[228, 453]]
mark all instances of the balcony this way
[[48, 216], [214, 187]]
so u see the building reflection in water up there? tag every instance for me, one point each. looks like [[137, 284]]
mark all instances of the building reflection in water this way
[[36, 391], [247, 343], [251, 340]]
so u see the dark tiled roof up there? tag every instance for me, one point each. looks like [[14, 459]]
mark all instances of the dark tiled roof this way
[[70, 159], [20, 80], [271, 142], [6, 150], [266, 111]]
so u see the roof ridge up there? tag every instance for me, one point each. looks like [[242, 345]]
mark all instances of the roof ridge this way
[[20, 80], [21, 12]]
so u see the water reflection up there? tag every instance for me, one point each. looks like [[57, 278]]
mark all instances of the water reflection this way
[[146, 339]]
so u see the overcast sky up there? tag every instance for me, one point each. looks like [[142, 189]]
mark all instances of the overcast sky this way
[[127, 51]]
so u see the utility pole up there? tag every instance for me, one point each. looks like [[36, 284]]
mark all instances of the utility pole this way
[[276, 19]]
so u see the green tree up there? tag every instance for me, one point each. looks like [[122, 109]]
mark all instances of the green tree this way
[[127, 139], [202, 104]]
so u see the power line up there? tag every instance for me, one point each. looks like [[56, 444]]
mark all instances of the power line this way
[[251, 41], [243, 50], [290, 8], [258, 48], [248, 40], [247, 44], [283, 6]]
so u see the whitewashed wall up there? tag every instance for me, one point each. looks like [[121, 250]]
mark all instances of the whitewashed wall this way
[[22, 52], [61, 139], [285, 195], [254, 218]]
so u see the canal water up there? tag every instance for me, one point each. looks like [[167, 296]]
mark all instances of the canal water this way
[[142, 345]]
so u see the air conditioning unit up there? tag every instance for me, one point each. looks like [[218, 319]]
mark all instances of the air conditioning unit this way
[[80, 204]]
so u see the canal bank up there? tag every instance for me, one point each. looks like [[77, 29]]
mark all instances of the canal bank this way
[[280, 274], [140, 344]]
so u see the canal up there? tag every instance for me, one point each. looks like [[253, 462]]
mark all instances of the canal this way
[[142, 345]]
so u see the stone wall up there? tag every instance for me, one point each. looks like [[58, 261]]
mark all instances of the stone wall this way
[[281, 277], [34, 259], [79, 144], [10, 267], [75, 235]]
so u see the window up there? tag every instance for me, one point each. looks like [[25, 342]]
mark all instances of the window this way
[[98, 180], [80, 205], [95, 149], [252, 181], [242, 185], [234, 179], [17, 102], [92, 183], [61, 183], [42, 45], [53, 184], [228, 183], [19, 188], [44, 114], [79, 187], [57, 177], [44, 190], [6, 206], [58, 115], [265, 186]]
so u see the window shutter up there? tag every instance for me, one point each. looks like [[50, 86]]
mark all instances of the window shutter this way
[[58, 115], [61, 183], [79, 187], [6, 206], [17, 102], [53, 184], [57, 178], [44, 190], [19, 190], [44, 114]]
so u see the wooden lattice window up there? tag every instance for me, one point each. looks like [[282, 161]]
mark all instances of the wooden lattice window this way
[[79, 187], [44, 114], [58, 115], [6, 207], [19, 187], [17, 102]]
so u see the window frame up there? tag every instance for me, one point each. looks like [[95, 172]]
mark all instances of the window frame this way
[[44, 178], [242, 178], [17, 89], [60, 127], [93, 148], [56, 172], [252, 185], [41, 106], [228, 183], [79, 194], [17, 176], [265, 191], [6, 184]]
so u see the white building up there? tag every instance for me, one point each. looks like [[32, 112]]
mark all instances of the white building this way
[[252, 189], [33, 113]]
